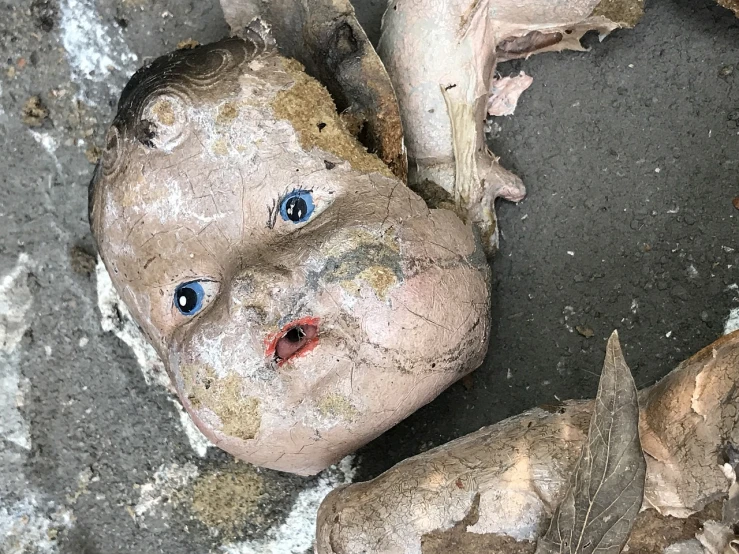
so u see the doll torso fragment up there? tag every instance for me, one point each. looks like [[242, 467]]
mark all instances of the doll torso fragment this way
[[303, 299]]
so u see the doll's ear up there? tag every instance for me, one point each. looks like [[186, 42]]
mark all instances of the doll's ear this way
[[326, 38]]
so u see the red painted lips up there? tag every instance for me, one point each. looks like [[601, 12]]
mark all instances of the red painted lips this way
[[295, 339]]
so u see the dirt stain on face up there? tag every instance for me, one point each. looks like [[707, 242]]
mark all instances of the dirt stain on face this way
[[364, 258]]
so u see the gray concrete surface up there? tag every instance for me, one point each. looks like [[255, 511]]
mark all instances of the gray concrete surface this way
[[630, 154]]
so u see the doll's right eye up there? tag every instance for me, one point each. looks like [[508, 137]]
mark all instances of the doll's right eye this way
[[191, 297], [297, 206]]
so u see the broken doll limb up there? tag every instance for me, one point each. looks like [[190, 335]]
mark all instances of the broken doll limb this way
[[496, 488], [441, 57]]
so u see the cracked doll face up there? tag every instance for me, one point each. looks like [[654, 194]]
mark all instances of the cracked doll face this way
[[303, 299]]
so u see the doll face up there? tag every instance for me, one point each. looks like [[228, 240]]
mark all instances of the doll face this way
[[303, 299]]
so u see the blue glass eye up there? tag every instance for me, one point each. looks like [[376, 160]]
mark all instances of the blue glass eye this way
[[297, 206], [188, 297]]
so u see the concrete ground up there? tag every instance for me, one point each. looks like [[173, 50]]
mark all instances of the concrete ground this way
[[630, 154]]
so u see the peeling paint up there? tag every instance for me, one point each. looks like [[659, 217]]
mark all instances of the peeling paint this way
[[116, 319], [505, 92]]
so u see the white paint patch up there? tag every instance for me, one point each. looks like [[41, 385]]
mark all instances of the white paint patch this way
[[198, 442], [15, 303], [117, 319], [49, 144], [25, 528], [297, 533], [732, 322], [168, 480], [94, 50], [26, 525], [568, 312], [3, 115]]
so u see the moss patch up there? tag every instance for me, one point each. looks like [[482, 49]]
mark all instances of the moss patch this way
[[240, 415], [625, 12], [220, 148], [308, 106], [337, 405], [34, 112], [164, 112], [227, 499], [380, 278], [227, 113]]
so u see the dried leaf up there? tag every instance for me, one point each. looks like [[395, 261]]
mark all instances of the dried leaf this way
[[586, 332], [607, 488]]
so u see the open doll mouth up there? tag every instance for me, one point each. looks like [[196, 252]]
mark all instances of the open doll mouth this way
[[295, 339]]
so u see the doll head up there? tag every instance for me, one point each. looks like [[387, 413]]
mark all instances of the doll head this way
[[303, 299]]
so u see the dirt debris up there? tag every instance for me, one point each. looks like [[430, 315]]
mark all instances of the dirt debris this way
[[34, 112], [83, 261], [93, 154], [187, 44], [45, 14], [625, 12]]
